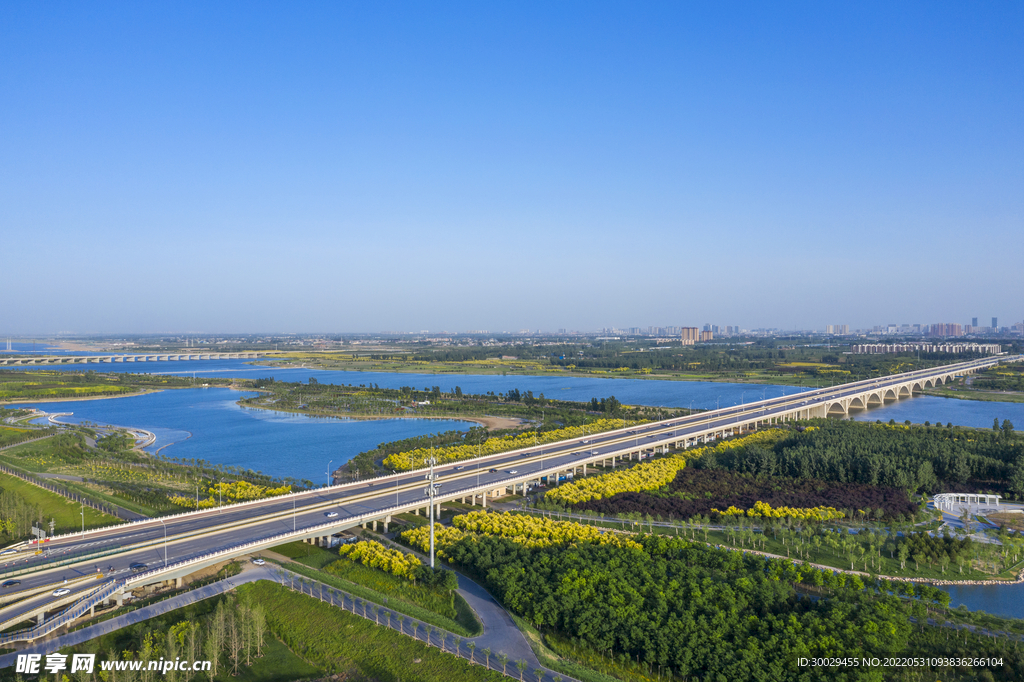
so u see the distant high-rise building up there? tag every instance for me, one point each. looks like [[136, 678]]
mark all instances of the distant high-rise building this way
[[946, 329], [689, 335], [707, 335], [974, 322], [707, 327], [995, 323], [830, 329]]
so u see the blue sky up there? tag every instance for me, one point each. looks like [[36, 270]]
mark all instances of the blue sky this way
[[402, 166]]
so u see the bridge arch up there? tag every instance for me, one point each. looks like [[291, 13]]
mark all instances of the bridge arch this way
[[836, 409]]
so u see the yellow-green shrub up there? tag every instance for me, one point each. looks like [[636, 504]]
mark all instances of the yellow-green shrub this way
[[649, 475], [413, 459], [375, 555]]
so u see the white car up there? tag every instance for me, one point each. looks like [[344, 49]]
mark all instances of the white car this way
[[61, 592], [259, 562], [513, 471], [331, 515]]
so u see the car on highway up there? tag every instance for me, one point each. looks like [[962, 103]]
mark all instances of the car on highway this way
[[585, 442], [8, 551], [138, 566], [259, 562], [513, 471], [494, 471], [60, 592], [331, 515], [9, 583], [459, 468]]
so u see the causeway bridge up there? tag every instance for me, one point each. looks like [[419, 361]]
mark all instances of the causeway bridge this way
[[102, 565], [137, 357]]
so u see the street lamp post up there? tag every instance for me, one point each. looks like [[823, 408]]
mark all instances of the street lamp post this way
[[431, 494], [83, 518], [329, 472]]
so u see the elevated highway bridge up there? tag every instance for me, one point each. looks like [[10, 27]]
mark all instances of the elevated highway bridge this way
[[8, 361], [169, 548]]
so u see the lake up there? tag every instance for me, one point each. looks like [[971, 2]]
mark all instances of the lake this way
[[206, 423]]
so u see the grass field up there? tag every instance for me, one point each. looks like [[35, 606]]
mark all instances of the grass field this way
[[63, 511], [311, 559], [343, 643], [10, 435], [278, 664], [976, 394]]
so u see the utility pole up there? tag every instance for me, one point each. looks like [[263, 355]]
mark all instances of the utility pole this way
[[83, 518], [431, 493]]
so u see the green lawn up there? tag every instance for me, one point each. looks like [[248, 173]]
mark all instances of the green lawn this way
[[309, 555], [344, 643], [62, 510], [278, 664]]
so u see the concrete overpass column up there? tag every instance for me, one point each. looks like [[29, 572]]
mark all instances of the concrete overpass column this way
[[483, 498], [375, 525], [387, 520], [416, 511], [584, 469], [179, 583], [40, 618]]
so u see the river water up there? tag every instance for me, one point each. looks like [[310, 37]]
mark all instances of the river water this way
[[206, 423]]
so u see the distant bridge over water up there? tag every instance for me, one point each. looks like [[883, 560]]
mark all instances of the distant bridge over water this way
[[136, 357]]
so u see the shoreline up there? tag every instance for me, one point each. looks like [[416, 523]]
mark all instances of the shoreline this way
[[19, 401], [491, 423]]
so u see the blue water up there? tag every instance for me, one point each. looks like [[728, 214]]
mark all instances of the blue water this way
[[975, 413], [21, 348], [999, 600], [205, 423]]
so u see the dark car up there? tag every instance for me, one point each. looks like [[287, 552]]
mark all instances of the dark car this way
[[10, 583], [138, 566], [494, 471]]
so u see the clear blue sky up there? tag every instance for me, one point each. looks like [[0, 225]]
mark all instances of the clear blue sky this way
[[362, 166]]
